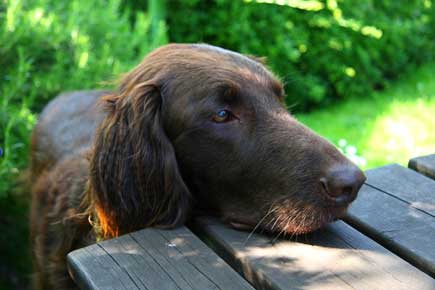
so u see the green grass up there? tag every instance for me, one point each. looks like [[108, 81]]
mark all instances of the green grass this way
[[391, 126]]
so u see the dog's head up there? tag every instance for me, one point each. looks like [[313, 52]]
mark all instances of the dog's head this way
[[200, 124]]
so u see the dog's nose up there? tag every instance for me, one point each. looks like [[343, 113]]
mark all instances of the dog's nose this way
[[342, 183]]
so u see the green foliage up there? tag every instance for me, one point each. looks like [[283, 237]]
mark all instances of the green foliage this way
[[49, 46], [389, 126], [324, 50]]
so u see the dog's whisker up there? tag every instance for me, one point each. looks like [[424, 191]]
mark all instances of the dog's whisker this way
[[256, 226]]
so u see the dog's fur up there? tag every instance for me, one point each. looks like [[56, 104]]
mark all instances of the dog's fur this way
[[155, 150]]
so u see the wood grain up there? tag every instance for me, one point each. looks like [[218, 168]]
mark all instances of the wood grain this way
[[152, 259], [337, 257], [396, 207]]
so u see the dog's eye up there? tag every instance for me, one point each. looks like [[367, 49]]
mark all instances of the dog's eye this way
[[223, 116]]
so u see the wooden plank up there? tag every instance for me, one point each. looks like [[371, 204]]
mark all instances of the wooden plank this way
[[152, 259], [405, 184], [92, 268], [396, 208], [336, 257], [424, 165]]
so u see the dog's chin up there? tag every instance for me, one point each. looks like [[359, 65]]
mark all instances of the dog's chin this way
[[312, 223], [323, 217], [286, 224]]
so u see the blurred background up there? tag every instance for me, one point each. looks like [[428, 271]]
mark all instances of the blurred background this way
[[361, 73]]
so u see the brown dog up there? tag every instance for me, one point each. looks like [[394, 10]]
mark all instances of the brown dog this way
[[191, 127]]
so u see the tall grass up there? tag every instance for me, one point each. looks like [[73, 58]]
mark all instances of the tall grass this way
[[49, 46]]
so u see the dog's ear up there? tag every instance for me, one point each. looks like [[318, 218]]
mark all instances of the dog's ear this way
[[134, 177]]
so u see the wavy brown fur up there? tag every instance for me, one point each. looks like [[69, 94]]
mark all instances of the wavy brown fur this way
[[107, 163]]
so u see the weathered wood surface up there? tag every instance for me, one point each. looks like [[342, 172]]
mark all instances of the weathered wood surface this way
[[424, 164], [337, 257], [396, 207], [152, 259]]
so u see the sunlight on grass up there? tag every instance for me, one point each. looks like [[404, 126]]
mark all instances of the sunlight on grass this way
[[405, 130], [391, 126]]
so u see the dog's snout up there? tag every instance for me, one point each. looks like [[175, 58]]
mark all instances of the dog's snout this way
[[341, 184]]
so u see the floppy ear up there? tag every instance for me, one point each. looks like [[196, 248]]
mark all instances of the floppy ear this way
[[134, 177]]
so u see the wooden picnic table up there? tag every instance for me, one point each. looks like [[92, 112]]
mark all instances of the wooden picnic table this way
[[387, 241]]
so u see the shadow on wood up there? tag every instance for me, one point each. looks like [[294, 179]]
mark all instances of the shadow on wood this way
[[337, 257]]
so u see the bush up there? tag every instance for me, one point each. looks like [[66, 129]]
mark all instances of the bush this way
[[324, 50], [49, 46]]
